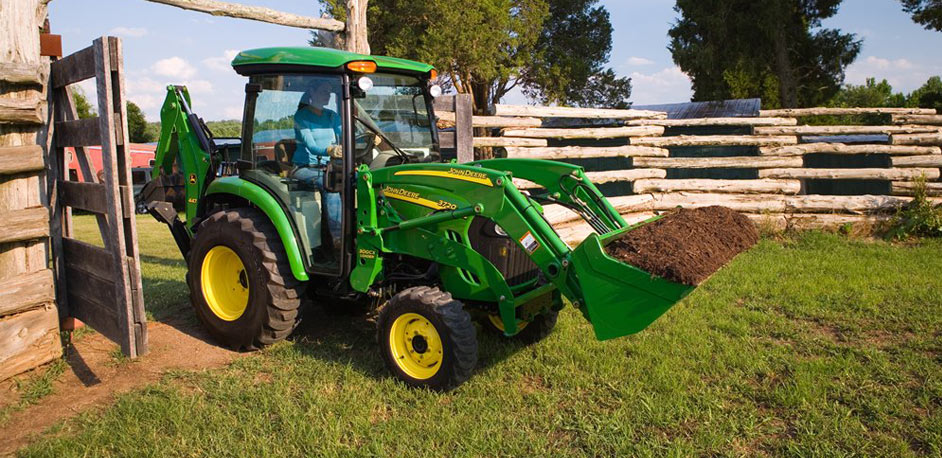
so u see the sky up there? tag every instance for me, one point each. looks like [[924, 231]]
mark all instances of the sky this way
[[166, 45]]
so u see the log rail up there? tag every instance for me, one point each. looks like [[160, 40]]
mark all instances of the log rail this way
[[772, 152]]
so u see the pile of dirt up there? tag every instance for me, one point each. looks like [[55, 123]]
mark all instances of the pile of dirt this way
[[687, 246]]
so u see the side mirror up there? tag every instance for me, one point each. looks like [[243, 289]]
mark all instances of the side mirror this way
[[333, 176]]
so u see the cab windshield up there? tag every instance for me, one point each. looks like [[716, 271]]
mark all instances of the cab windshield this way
[[392, 119]]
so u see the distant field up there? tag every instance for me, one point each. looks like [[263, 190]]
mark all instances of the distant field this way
[[807, 345]]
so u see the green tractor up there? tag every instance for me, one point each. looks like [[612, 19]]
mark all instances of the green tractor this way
[[339, 195]]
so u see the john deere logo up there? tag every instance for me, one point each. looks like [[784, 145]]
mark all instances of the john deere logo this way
[[468, 173], [192, 178], [399, 192]]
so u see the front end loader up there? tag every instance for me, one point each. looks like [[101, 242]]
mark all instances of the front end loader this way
[[339, 195]]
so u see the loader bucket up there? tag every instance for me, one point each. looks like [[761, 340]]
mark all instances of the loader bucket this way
[[618, 298]]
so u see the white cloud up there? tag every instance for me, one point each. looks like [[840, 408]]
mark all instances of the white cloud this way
[[665, 86], [128, 32], [174, 67], [221, 63], [637, 61], [233, 112], [904, 75], [197, 87]]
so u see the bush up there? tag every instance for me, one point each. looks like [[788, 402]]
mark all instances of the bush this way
[[918, 218]]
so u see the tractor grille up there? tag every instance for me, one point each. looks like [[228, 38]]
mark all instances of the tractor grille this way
[[501, 251]]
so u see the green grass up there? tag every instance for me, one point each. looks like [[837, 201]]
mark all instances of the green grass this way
[[32, 388], [810, 345]]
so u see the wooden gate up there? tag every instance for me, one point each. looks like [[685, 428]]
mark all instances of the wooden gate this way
[[99, 285], [459, 108]]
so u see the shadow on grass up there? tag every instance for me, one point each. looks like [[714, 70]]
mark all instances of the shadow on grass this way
[[163, 261]]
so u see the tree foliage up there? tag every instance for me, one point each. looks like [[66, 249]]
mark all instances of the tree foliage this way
[[137, 125], [927, 13], [774, 49], [554, 50], [82, 107], [929, 95]]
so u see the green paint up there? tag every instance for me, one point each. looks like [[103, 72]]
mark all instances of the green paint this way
[[324, 58], [265, 202]]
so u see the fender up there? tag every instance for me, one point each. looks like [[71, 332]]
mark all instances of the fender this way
[[265, 202]]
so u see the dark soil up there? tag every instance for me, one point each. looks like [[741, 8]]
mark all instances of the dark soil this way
[[687, 246]]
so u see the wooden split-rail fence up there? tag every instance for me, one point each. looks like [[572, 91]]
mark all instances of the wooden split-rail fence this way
[[773, 161]]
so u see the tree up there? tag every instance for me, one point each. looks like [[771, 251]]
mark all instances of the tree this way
[[927, 13], [553, 49], [744, 48], [137, 125], [869, 94], [82, 107], [928, 96]]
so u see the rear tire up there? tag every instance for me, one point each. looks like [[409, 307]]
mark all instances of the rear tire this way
[[427, 339], [241, 284]]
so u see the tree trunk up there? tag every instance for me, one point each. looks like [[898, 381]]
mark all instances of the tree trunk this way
[[788, 87]]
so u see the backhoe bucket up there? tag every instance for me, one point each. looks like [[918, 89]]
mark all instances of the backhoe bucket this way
[[618, 298]]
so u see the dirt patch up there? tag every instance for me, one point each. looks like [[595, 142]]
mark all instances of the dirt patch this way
[[687, 246], [95, 376]]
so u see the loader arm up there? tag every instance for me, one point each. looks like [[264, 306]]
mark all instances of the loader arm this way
[[420, 210]]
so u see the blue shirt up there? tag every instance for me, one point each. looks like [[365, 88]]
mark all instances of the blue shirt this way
[[314, 133]]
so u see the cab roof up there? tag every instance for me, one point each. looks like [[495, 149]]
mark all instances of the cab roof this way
[[322, 57]]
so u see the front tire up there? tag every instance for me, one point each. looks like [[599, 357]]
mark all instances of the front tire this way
[[241, 285], [427, 339]]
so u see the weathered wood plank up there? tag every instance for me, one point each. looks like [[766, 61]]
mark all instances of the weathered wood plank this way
[[917, 139], [767, 186], [570, 112], [355, 30], [23, 73], [799, 112], [464, 132], [925, 120], [843, 204], [21, 159], [444, 105], [26, 224], [931, 160], [852, 174], [840, 148], [26, 291], [27, 340], [446, 139], [771, 203], [698, 122], [84, 196], [79, 132], [256, 13], [908, 188], [625, 175], [588, 133], [493, 121], [507, 141], [89, 258], [843, 130], [715, 140], [73, 68], [582, 152], [89, 302], [28, 111], [748, 162]]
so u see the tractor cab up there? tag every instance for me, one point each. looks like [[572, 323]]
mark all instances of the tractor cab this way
[[312, 116]]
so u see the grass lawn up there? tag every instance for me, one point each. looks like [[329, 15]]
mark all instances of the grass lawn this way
[[814, 344]]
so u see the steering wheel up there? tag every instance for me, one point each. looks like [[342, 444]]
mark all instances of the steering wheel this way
[[368, 139]]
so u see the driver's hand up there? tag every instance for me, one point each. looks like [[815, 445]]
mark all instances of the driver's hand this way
[[335, 151], [377, 140]]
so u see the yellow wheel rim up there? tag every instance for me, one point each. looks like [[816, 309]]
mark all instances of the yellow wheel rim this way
[[499, 323], [225, 283], [416, 346]]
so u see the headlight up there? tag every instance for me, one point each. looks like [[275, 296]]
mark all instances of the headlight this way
[[435, 90]]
